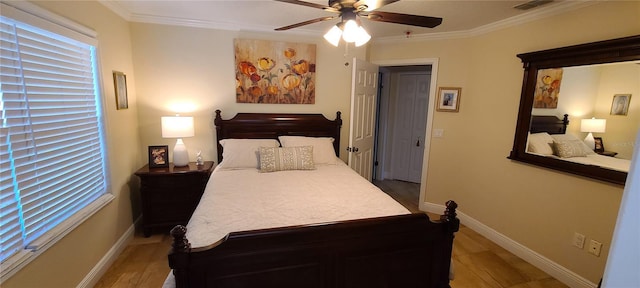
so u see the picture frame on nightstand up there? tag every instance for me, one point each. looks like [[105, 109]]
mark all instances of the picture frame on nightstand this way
[[159, 156], [599, 145]]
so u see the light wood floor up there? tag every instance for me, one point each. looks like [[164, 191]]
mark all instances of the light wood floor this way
[[478, 262]]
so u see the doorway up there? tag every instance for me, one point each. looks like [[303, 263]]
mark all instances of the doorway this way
[[403, 113], [383, 133]]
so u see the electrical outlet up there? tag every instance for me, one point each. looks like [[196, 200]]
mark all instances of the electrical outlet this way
[[438, 133], [578, 240], [595, 247]]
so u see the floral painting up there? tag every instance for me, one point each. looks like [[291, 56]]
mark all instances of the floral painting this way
[[547, 88], [275, 72]]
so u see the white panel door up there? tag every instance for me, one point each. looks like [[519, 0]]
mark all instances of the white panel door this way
[[410, 126], [364, 89]]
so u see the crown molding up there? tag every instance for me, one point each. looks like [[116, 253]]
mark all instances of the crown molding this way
[[537, 14], [116, 8], [215, 25]]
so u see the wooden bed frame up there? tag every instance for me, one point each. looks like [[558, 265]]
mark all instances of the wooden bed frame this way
[[395, 251], [549, 124]]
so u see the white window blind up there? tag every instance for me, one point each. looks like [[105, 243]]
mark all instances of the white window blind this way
[[52, 160]]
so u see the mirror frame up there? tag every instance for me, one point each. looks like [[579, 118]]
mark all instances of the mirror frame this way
[[608, 51]]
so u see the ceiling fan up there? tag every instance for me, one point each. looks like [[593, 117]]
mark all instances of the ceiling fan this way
[[351, 10]]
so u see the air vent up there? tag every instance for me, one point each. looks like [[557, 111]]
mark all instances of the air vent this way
[[532, 4]]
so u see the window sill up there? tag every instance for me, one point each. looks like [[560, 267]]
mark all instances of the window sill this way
[[12, 265]]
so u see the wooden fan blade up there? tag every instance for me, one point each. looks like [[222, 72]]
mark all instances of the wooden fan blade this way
[[306, 23], [371, 4], [413, 20], [309, 4]]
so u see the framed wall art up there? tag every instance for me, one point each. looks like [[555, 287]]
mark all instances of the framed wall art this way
[[271, 72], [120, 85], [158, 156], [547, 88], [448, 99], [620, 104]]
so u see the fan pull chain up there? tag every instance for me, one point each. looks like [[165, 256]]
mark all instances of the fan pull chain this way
[[346, 50]]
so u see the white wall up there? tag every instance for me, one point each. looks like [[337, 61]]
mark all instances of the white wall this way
[[182, 65]]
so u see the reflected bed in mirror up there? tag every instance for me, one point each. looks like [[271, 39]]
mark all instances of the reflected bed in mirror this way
[[582, 81], [548, 138]]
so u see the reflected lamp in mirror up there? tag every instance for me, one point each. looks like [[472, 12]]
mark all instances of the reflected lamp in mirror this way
[[591, 126], [178, 127]]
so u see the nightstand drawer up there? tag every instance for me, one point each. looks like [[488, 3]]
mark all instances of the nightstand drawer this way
[[170, 195]]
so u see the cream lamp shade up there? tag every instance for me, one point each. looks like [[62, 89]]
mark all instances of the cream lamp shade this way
[[591, 126], [178, 127]]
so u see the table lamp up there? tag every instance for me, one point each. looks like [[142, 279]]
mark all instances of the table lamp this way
[[592, 125], [178, 127]]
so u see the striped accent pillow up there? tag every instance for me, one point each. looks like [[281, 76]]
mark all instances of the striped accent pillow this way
[[286, 158]]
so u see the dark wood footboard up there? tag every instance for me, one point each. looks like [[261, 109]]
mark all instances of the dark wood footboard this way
[[396, 251]]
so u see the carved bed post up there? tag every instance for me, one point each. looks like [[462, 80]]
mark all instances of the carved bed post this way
[[336, 142], [217, 121], [452, 225], [449, 216], [179, 256], [565, 121]]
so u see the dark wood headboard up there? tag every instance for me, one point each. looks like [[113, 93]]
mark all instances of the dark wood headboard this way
[[549, 124], [272, 125]]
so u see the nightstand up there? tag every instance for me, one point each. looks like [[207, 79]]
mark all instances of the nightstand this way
[[608, 153], [169, 195]]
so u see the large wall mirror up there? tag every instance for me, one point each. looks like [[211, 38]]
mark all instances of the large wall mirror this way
[[580, 109]]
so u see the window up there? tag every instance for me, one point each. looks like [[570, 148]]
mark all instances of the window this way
[[52, 157]]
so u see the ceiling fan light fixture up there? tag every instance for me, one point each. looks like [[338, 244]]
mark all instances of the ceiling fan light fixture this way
[[349, 12], [351, 31], [333, 35], [363, 37]]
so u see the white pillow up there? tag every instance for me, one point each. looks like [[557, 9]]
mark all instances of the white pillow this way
[[286, 158], [243, 153], [540, 143], [323, 152], [571, 137]]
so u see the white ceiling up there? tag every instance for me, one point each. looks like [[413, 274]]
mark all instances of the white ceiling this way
[[460, 16]]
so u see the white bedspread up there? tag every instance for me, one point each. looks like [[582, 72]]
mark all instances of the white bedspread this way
[[241, 200], [602, 161]]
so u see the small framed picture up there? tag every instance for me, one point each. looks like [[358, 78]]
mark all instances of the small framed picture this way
[[120, 84], [620, 104], [158, 156], [448, 99], [599, 146]]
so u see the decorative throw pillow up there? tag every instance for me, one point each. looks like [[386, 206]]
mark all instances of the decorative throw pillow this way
[[287, 158], [323, 151], [571, 137], [570, 148]]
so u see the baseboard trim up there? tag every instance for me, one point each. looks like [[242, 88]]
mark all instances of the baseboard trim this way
[[92, 278], [554, 269]]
